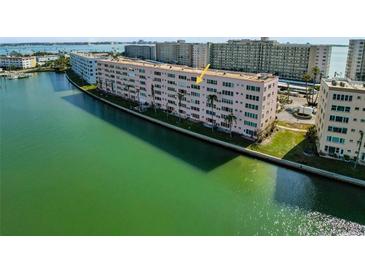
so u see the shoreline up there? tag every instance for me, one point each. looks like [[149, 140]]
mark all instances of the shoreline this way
[[255, 154]]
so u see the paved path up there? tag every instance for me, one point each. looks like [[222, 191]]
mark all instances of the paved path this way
[[292, 129]]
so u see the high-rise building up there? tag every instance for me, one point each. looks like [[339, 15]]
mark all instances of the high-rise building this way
[[251, 98], [182, 53], [288, 61], [355, 66], [340, 119], [84, 65], [145, 52]]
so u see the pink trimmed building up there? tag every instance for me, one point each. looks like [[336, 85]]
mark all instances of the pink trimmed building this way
[[251, 98]]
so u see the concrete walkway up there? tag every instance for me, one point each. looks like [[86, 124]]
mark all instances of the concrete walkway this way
[[292, 129]]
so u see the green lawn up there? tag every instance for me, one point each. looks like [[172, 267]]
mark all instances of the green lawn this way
[[290, 145], [281, 143]]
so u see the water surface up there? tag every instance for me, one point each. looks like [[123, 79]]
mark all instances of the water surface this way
[[71, 165]]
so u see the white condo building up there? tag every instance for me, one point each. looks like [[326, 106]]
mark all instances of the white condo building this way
[[340, 120], [84, 65], [251, 98], [42, 60], [355, 65], [17, 62]]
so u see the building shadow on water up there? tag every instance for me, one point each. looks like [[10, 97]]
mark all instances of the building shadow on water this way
[[59, 83], [195, 152], [316, 193]]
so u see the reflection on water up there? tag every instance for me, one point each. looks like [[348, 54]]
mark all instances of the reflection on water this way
[[72, 165]]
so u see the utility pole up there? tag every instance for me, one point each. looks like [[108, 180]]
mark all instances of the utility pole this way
[[358, 152]]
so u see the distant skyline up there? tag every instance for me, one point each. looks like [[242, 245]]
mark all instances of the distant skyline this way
[[312, 40]]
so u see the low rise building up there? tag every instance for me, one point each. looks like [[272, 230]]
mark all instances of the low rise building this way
[[19, 62], [84, 64], [43, 59], [251, 98], [145, 52], [340, 119]]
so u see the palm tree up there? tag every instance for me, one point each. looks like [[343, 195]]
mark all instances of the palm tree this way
[[230, 118], [139, 104], [288, 92], [129, 94], [306, 78], [153, 96], [315, 71], [211, 99], [180, 96], [312, 98]]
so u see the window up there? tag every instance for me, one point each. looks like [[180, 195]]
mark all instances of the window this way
[[228, 84], [342, 97], [227, 92], [227, 101], [252, 97], [195, 86], [249, 123], [337, 129], [334, 139], [170, 75], [339, 119], [212, 82], [212, 89], [251, 115], [253, 88], [251, 106], [183, 77]]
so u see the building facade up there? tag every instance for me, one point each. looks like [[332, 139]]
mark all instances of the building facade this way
[[17, 62], [145, 52], [355, 65], [182, 53], [42, 60], [288, 61], [340, 120], [84, 65], [251, 98]]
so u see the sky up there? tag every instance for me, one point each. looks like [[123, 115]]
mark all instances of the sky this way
[[312, 40]]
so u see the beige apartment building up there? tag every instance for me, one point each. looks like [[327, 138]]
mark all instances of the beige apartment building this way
[[355, 65], [182, 53], [288, 61], [340, 119], [21, 62], [251, 98]]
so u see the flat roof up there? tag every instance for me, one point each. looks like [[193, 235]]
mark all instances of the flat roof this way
[[345, 84], [257, 77]]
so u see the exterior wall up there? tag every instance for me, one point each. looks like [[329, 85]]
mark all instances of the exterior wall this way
[[200, 55], [345, 141], [181, 53], [251, 99], [84, 64], [355, 66], [166, 52], [18, 62], [41, 60], [320, 56], [288, 61], [147, 52]]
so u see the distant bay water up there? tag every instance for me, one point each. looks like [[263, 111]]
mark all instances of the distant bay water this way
[[338, 59]]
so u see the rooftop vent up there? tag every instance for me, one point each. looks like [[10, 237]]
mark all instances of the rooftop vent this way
[[342, 84], [334, 83]]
